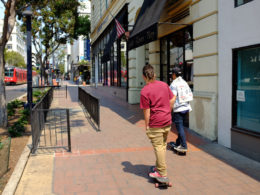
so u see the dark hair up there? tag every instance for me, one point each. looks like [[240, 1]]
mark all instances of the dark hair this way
[[176, 71], [148, 71]]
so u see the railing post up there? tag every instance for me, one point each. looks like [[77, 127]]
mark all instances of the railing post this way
[[66, 91], [68, 127]]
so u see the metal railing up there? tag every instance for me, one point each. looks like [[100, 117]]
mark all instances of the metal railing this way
[[91, 104], [60, 92], [53, 129], [37, 124]]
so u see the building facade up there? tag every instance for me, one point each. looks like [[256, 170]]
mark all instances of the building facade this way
[[183, 33], [16, 41], [239, 76]]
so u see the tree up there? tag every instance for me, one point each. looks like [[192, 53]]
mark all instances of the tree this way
[[53, 24], [14, 58], [83, 26], [12, 7]]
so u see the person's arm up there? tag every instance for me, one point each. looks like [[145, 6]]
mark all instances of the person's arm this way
[[172, 101], [146, 118]]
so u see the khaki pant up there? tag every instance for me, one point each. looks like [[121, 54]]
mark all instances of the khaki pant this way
[[158, 137]]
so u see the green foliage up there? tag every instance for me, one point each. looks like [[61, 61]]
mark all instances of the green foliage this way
[[25, 112], [14, 58], [12, 105], [17, 129], [61, 68], [37, 93], [82, 26], [53, 24]]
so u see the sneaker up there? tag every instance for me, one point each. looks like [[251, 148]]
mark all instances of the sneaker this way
[[180, 148], [156, 175], [153, 169]]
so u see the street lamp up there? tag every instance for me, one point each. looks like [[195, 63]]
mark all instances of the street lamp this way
[[28, 14]]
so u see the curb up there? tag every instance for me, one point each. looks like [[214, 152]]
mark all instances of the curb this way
[[13, 182], [19, 98]]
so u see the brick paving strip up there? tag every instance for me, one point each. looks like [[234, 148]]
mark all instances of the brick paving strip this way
[[117, 159]]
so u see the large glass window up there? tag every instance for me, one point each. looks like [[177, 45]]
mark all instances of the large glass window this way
[[247, 89], [115, 64], [163, 72], [177, 51], [241, 2], [108, 73], [123, 63]]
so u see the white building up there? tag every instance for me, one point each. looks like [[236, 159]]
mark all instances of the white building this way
[[239, 76], [17, 41]]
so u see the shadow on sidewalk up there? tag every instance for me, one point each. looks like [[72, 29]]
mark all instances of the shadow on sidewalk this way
[[139, 169]]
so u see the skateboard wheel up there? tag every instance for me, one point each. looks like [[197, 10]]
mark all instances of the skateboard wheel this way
[[170, 184], [156, 185]]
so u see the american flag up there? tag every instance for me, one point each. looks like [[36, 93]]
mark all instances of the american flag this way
[[119, 29]]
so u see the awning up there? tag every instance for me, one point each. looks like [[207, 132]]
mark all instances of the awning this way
[[146, 27]]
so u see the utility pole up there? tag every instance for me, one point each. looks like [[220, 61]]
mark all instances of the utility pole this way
[[28, 14]]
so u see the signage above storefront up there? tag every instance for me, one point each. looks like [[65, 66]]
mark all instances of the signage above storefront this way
[[146, 27]]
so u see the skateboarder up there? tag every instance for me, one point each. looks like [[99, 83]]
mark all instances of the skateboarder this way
[[183, 94], [157, 101]]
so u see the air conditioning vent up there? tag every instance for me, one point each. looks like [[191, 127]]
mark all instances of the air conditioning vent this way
[[181, 15]]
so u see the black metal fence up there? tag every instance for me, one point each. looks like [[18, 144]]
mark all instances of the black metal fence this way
[[53, 129], [91, 104], [61, 91], [50, 127], [37, 124]]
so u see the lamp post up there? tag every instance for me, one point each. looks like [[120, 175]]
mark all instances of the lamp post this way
[[28, 14]]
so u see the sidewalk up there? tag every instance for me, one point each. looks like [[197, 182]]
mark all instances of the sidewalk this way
[[116, 160]]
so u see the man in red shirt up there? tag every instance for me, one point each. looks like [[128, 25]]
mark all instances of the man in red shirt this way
[[157, 102]]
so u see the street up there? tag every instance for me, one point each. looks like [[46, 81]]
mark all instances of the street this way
[[15, 91]]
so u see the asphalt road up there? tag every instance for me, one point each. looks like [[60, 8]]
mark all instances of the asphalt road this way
[[15, 91]]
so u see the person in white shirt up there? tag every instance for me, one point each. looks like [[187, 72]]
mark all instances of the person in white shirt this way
[[181, 90]]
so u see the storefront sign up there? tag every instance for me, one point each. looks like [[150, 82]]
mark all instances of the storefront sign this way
[[146, 36]]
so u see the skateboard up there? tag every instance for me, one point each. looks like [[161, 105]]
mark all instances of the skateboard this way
[[171, 146], [160, 182]]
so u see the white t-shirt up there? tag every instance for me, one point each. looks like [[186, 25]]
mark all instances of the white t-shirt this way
[[179, 107]]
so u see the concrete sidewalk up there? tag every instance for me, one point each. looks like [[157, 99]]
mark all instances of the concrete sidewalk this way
[[117, 159]]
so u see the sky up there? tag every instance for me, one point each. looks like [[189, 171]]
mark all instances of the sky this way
[[1, 11]]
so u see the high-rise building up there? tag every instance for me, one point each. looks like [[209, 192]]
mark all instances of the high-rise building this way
[[17, 41]]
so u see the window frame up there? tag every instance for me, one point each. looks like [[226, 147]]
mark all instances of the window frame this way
[[234, 88], [236, 3]]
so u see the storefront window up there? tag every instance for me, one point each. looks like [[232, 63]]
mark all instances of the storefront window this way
[[241, 2], [108, 73], [163, 71], [177, 51], [247, 91], [123, 63], [115, 64]]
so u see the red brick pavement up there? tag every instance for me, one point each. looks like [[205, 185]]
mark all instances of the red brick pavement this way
[[117, 159]]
